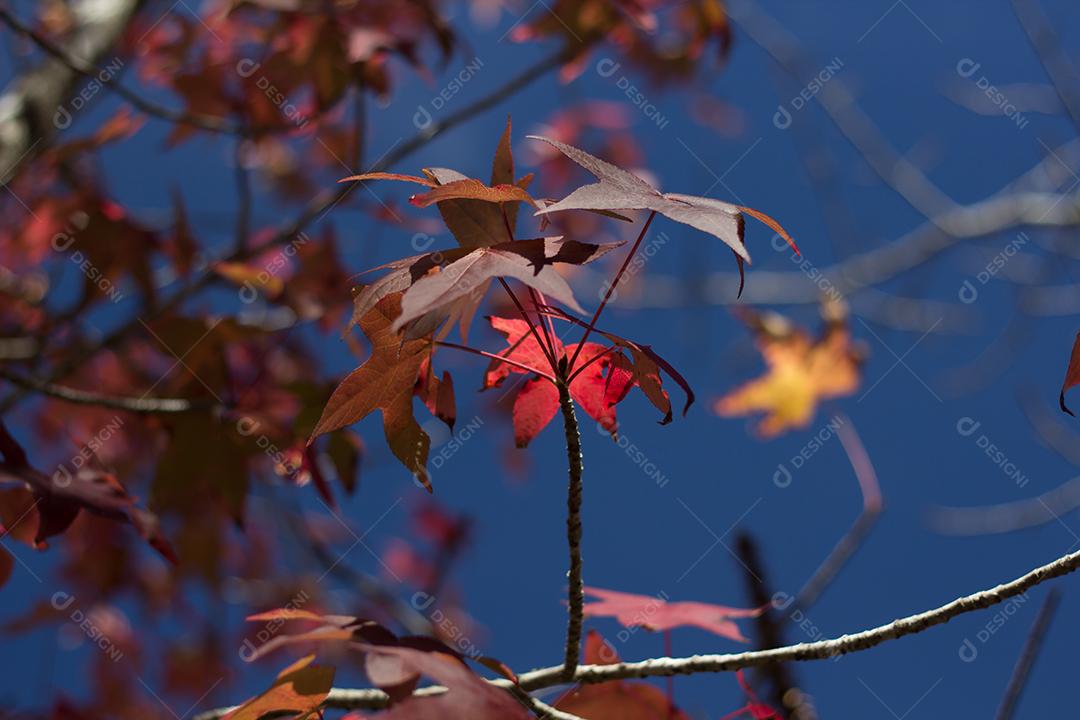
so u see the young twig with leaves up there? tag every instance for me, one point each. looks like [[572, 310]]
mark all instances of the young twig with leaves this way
[[408, 312]]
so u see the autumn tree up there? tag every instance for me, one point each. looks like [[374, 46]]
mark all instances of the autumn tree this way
[[236, 280]]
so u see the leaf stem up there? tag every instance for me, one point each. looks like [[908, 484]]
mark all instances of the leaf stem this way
[[585, 365], [576, 590], [611, 288], [549, 352], [493, 356]]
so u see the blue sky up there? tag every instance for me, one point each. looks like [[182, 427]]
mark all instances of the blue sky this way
[[676, 538]]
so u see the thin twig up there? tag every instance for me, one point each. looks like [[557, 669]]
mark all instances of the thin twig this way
[[143, 404], [493, 356], [611, 288], [243, 193], [1058, 68], [785, 691], [1027, 658], [575, 597], [549, 352], [839, 103], [853, 538]]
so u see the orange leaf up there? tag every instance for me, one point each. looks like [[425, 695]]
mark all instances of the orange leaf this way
[[390, 176], [801, 373], [472, 189], [300, 688]]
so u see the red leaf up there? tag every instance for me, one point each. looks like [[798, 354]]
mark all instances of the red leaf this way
[[62, 495], [538, 401], [655, 613]]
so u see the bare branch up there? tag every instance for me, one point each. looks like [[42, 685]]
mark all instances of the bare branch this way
[[853, 538], [820, 650], [668, 666], [75, 396], [1058, 67], [839, 103]]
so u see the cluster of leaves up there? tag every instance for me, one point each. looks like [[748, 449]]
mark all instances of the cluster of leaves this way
[[407, 312], [393, 664], [273, 75], [396, 665]]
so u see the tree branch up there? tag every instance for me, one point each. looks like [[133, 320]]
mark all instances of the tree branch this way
[[118, 402], [1044, 40], [1028, 654], [575, 597], [668, 666], [820, 650], [30, 108]]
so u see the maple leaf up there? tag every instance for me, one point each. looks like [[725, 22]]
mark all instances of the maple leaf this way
[[475, 223], [618, 699], [802, 372], [619, 189], [300, 688], [642, 369], [472, 211], [482, 219], [538, 400], [1072, 375], [529, 261], [654, 613], [387, 382], [61, 496], [446, 285]]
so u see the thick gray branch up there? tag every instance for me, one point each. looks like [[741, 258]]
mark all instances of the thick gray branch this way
[[808, 651], [666, 666], [29, 106]]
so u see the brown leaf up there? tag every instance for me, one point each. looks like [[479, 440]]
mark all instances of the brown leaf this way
[[385, 382], [471, 189], [300, 688]]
